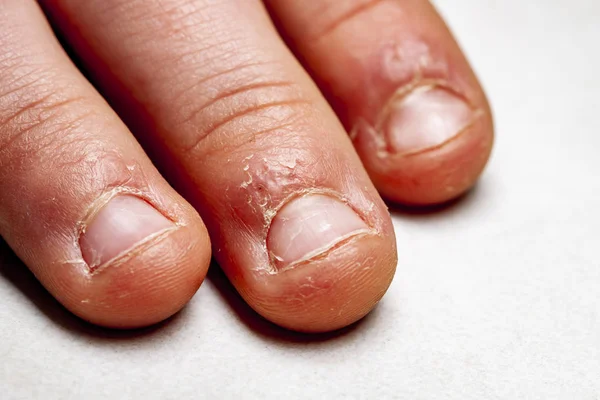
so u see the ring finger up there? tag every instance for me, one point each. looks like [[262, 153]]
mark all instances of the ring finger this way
[[402, 87]]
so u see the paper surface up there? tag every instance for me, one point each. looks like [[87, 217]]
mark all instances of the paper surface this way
[[495, 297]]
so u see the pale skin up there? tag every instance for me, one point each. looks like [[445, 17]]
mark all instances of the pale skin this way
[[277, 128]]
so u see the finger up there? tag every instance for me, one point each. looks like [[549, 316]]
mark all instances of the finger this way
[[80, 203], [293, 218], [405, 92]]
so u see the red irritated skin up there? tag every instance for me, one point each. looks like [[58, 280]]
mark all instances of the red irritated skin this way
[[402, 87], [289, 198]]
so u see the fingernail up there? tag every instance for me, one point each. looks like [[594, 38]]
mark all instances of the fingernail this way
[[309, 226], [119, 226], [425, 118]]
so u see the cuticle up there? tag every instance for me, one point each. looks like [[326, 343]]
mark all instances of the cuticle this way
[[102, 200]]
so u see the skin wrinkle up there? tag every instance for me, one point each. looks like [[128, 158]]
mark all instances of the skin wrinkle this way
[[226, 74], [153, 18], [20, 64], [189, 62], [209, 59], [241, 114], [41, 106], [42, 112], [42, 117], [34, 74], [248, 107], [243, 143], [251, 87], [48, 150]]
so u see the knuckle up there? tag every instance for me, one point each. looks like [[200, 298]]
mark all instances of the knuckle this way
[[237, 115]]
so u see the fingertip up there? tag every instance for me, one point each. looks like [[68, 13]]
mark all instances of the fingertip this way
[[330, 292], [429, 171], [141, 287]]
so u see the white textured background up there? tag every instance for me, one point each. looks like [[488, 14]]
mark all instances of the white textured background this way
[[496, 297]]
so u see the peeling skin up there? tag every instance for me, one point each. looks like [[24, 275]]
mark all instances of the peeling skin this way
[[264, 177], [407, 66], [402, 62], [270, 177]]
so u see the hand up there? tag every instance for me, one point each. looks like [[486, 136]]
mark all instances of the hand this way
[[235, 124]]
